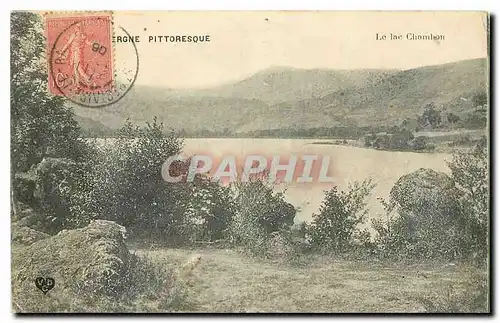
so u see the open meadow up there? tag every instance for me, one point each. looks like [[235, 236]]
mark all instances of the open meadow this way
[[227, 281]]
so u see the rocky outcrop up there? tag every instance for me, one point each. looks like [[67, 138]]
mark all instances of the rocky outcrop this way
[[425, 191], [93, 259]]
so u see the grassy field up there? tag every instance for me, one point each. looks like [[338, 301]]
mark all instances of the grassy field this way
[[226, 281]]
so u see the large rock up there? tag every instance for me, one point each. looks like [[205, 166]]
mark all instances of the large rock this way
[[425, 191], [25, 235], [91, 260]]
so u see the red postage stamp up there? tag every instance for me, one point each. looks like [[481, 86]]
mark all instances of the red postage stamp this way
[[80, 53]]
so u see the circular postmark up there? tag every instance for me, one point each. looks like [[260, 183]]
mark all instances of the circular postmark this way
[[86, 66]]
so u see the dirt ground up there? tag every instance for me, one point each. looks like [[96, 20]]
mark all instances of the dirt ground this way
[[226, 281]]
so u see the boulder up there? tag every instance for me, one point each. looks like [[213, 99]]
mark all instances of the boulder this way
[[25, 235], [93, 260], [425, 191]]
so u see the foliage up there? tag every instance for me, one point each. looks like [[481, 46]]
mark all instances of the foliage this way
[[400, 140], [475, 120], [210, 209], [260, 213], [480, 99], [420, 143], [41, 125], [430, 146], [432, 215], [155, 283], [42, 131], [336, 226], [128, 187], [430, 117], [427, 223], [60, 195], [452, 118], [470, 172], [462, 140], [271, 210]]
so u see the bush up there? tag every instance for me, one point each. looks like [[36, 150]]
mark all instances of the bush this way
[[419, 143], [259, 213], [128, 187], [400, 140], [273, 213], [452, 118], [156, 285], [369, 139], [427, 220], [430, 117], [42, 126], [430, 147], [210, 210], [470, 173], [336, 226], [431, 216], [475, 120], [60, 195]]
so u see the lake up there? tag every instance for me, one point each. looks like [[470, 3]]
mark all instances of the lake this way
[[347, 164]]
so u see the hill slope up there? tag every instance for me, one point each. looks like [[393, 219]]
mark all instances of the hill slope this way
[[387, 101], [282, 84], [286, 98]]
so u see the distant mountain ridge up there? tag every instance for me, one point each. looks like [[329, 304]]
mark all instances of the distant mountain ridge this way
[[281, 97], [286, 84]]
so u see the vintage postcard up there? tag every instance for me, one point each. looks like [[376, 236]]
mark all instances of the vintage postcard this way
[[250, 162]]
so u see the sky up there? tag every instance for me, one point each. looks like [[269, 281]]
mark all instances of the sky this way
[[243, 43]]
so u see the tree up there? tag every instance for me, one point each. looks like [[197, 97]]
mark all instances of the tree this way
[[470, 172], [437, 215], [336, 225], [420, 143], [431, 116], [480, 99], [400, 139], [128, 186], [41, 125], [452, 118]]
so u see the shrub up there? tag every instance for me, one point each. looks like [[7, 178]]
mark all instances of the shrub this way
[[452, 118], [299, 230], [128, 187], [43, 128], [60, 194], [430, 117], [369, 139], [470, 173], [420, 143], [336, 226], [430, 147], [259, 213], [432, 215], [156, 284], [381, 141], [210, 209], [427, 224], [273, 213], [400, 139], [477, 119]]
